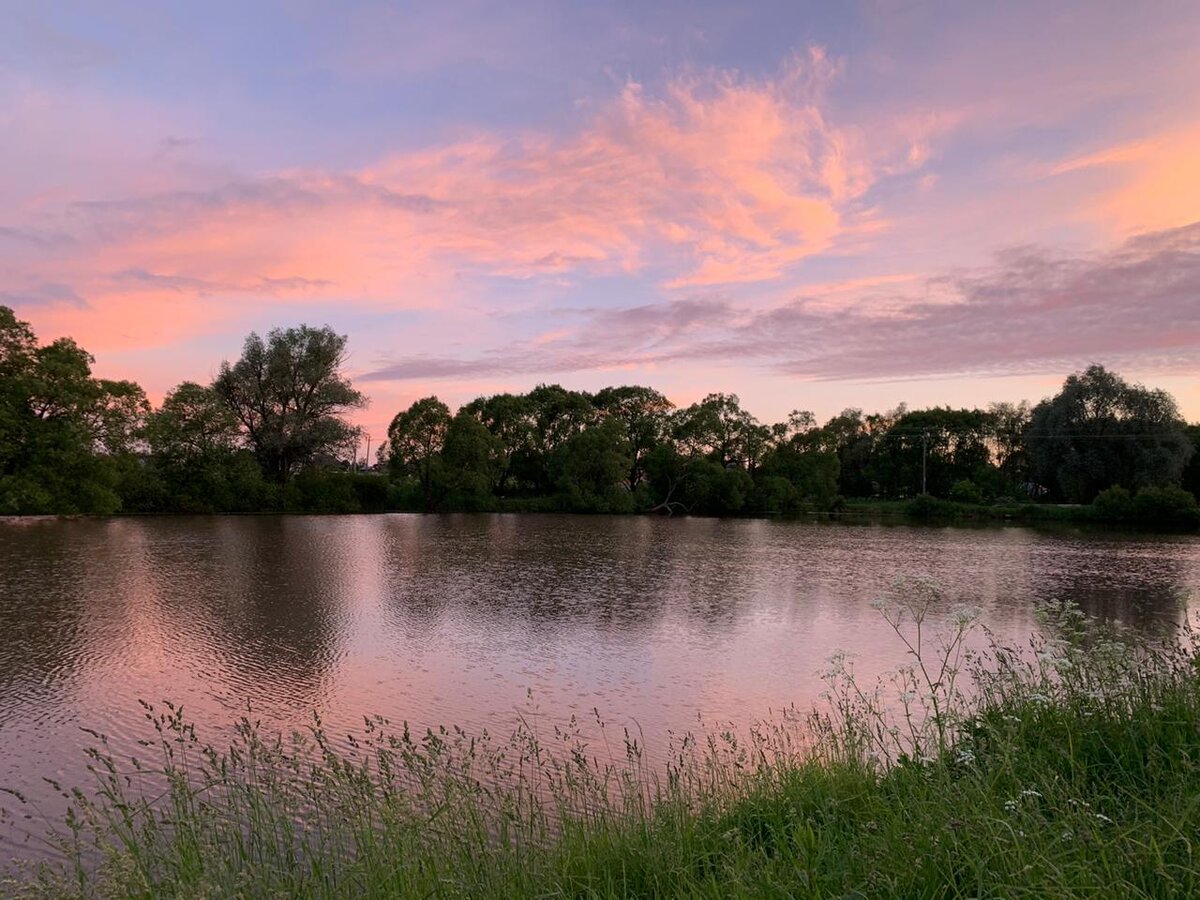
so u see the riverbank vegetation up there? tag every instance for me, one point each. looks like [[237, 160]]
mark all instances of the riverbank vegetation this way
[[271, 433], [1070, 768]]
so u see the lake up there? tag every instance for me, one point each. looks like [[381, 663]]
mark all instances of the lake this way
[[663, 625]]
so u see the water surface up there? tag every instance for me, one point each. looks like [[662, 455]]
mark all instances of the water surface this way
[[658, 623]]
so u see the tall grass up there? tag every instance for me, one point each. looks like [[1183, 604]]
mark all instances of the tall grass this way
[[1067, 768]]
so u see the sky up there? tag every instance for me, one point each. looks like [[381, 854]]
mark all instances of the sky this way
[[813, 205]]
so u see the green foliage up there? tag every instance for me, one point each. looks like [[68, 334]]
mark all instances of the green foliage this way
[[589, 469], [1169, 506], [966, 491], [469, 465], [644, 415], [948, 445], [712, 490], [1151, 507], [718, 429], [415, 441], [1114, 504], [61, 430], [509, 419], [1190, 479], [288, 395], [1100, 431], [926, 506], [270, 435], [794, 478]]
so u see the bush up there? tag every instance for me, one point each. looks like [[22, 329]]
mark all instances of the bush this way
[[371, 491], [1165, 506], [926, 506], [1113, 505], [325, 491], [966, 491]]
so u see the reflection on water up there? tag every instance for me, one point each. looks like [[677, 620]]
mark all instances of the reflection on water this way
[[432, 619]]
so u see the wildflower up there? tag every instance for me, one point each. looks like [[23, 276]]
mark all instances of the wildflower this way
[[964, 615], [1030, 792], [1010, 805], [1101, 817], [964, 757], [1067, 835]]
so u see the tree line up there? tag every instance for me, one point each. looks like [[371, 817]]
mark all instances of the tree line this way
[[271, 433]]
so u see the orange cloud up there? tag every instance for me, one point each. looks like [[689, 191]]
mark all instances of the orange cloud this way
[[1149, 184], [719, 179]]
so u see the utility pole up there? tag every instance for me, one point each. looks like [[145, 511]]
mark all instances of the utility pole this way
[[367, 458]]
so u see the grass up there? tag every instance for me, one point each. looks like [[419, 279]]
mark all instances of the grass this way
[[1070, 768], [946, 510], [1160, 510]]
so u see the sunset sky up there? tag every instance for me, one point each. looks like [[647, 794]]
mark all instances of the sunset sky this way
[[813, 205]]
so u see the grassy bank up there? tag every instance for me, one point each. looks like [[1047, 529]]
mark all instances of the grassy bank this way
[[1068, 770], [938, 510], [1152, 510]]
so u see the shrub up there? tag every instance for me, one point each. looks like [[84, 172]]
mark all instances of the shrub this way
[[1165, 506], [966, 491], [1113, 505], [927, 506]]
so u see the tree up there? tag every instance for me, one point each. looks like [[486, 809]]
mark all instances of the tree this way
[[117, 416], [718, 429], [469, 460], [289, 397], [192, 423], [643, 413], [810, 476], [198, 457], [1100, 431], [589, 468], [558, 414], [415, 438], [1009, 423], [60, 428], [1191, 475], [509, 418], [851, 437], [934, 449]]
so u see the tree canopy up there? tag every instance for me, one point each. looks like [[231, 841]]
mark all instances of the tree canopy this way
[[1100, 431], [289, 397], [272, 432]]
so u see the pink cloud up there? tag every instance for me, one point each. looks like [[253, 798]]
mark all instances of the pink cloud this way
[[1032, 311], [719, 178]]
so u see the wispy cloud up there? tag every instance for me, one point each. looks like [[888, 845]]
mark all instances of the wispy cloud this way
[[1033, 311], [43, 294], [718, 178]]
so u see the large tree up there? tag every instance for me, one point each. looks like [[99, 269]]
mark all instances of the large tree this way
[[467, 471], [193, 422], [509, 418], [1100, 431], [198, 457], [644, 415], [718, 429], [415, 440], [289, 396], [589, 468], [60, 428]]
